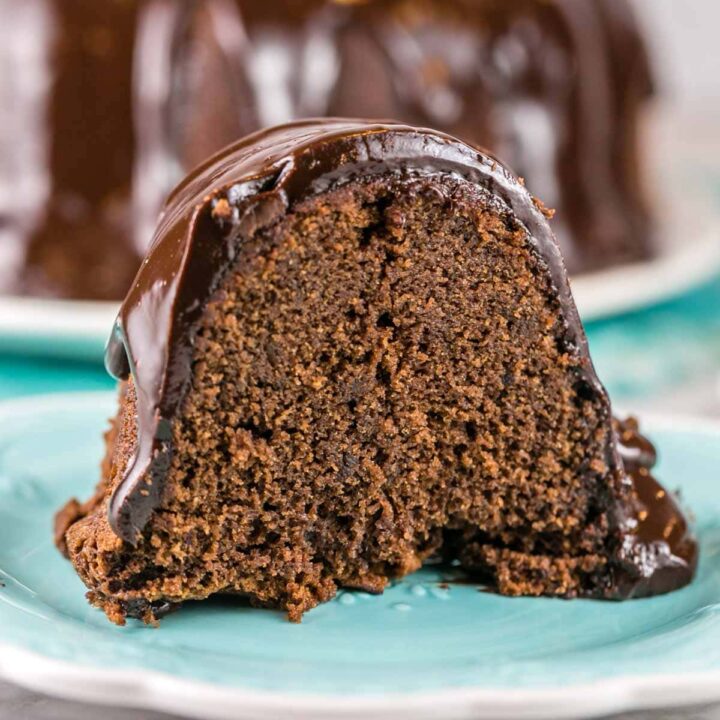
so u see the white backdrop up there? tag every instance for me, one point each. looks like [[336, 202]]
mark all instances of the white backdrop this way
[[685, 39]]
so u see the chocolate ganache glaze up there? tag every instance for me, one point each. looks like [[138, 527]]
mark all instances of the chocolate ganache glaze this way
[[253, 183], [67, 147]]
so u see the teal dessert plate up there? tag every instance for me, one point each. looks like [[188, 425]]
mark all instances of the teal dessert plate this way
[[427, 648]]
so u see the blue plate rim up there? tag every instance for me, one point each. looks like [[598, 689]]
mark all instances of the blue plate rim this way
[[160, 691]]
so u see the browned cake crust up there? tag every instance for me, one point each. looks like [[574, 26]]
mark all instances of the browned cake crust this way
[[385, 371]]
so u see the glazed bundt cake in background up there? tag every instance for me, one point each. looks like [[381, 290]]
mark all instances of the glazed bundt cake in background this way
[[67, 147], [556, 89], [104, 110], [353, 346], [107, 104]]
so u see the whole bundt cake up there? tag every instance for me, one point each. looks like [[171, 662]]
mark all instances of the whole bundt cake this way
[[109, 103], [353, 346], [556, 88]]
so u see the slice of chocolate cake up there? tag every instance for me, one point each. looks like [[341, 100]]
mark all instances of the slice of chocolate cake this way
[[353, 346]]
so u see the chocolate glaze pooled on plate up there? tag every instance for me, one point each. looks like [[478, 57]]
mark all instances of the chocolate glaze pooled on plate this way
[[233, 254], [659, 542]]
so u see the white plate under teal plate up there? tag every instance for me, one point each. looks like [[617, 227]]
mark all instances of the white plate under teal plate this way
[[418, 651], [688, 210]]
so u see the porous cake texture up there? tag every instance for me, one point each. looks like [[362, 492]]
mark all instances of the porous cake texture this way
[[352, 347]]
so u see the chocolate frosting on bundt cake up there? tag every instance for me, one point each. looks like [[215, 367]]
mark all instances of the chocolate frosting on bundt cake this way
[[351, 346], [113, 101]]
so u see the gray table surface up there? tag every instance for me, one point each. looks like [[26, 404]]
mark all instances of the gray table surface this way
[[18, 704]]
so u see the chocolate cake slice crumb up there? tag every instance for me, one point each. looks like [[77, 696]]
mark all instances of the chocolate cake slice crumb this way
[[353, 347]]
